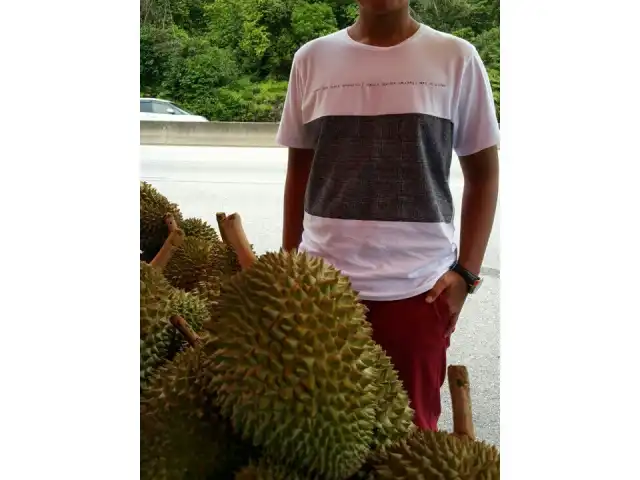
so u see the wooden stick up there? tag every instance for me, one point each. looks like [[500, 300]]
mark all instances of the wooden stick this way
[[220, 217], [183, 327], [237, 239], [171, 244], [460, 391]]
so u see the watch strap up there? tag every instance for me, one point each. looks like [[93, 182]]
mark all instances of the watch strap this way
[[472, 281]]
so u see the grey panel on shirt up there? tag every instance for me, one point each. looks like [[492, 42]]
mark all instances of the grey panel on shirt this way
[[384, 168]]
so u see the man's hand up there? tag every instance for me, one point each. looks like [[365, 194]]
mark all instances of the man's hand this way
[[455, 290]]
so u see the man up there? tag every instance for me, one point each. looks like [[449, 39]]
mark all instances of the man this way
[[372, 116]]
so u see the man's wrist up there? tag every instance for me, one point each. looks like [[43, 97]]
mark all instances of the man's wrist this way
[[472, 280], [470, 266]]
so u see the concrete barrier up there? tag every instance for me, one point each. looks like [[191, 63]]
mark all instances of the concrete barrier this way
[[209, 134]]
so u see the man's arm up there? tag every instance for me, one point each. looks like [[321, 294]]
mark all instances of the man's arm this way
[[479, 200], [298, 168], [293, 134]]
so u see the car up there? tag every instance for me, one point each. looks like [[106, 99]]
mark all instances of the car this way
[[156, 109]]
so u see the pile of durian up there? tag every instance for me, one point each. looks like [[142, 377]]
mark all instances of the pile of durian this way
[[265, 368]]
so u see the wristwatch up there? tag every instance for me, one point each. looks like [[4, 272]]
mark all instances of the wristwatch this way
[[473, 281]]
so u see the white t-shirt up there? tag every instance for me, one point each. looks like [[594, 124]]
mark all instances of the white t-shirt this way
[[384, 122]]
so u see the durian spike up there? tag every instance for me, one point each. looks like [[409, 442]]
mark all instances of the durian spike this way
[[171, 244], [460, 391], [220, 217], [237, 239], [183, 327]]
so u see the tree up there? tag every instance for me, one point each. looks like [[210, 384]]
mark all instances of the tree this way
[[230, 60]]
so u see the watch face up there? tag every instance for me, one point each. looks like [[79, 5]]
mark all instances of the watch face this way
[[475, 286]]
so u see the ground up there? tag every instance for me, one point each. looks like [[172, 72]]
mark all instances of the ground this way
[[206, 180]]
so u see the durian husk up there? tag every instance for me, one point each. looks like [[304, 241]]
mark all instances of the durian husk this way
[[159, 302], [209, 292], [156, 293], [154, 350], [153, 228], [394, 416], [190, 307], [197, 228], [426, 455], [195, 312], [227, 260], [294, 364], [156, 300], [197, 260], [182, 434], [268, 470]]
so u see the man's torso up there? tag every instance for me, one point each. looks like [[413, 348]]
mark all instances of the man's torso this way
[[378, 204]]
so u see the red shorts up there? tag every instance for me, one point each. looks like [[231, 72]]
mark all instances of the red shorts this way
[[412, 333]]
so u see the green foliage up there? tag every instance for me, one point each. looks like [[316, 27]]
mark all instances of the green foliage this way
[[312, 20], [246, 101], [229, 60]]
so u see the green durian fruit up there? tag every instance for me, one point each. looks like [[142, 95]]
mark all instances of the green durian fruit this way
[[293, 366], [366, 472], [209, 292], [155, 349], [227, 261], [429, 455], [197, 228], [164, 343], [153, 229], [266, 470], [155, 300], [181, 434], [195, 261], [194, 310], [395, 416]]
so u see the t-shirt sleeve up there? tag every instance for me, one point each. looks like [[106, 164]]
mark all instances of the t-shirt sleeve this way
[[475, 122], [292, 132]]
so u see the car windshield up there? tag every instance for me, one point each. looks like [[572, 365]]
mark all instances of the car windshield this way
[[180, 109]]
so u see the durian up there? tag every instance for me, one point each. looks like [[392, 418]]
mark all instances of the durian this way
[[155, 298], [209, 292], [158, 303], [162, 344], [197, 228], [197, 260], [394, 415], [155, 349], [294, 364], [182, 435], [429, 455], [266, 470], [194, 310], [155, 290], [153, 229]]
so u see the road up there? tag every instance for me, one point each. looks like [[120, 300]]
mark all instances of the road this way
[[206, 180]]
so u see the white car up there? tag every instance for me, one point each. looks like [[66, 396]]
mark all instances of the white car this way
[[155, 109]]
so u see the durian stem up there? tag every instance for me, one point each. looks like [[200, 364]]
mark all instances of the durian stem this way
[[237, 239], [220, 217], [171, 244], [460, 391], [183, 327], [170, 220]]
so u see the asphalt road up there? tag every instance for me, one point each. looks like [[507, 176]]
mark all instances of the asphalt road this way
[[206, 180]]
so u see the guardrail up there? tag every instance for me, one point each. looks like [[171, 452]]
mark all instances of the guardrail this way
[[209, 134]]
